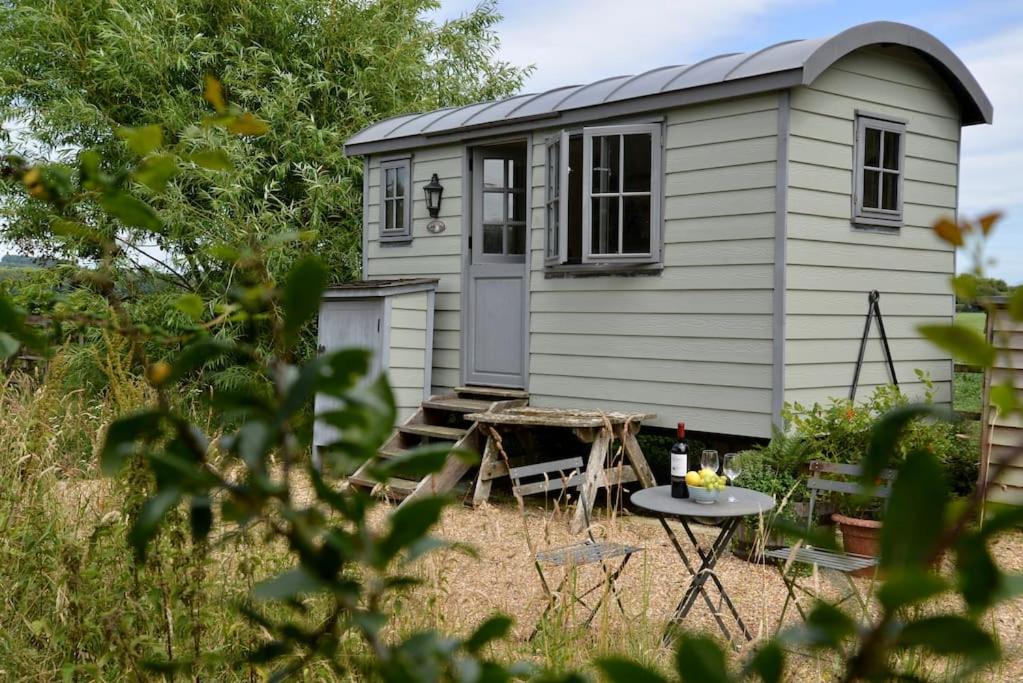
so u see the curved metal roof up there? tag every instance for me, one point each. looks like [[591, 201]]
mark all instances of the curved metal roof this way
[[782, 65]]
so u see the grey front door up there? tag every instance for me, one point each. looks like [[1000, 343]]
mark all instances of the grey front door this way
[[495, 351]]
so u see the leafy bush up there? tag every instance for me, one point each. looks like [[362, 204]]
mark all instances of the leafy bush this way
[[840, 432]]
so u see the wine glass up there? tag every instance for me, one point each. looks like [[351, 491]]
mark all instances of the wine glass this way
[[709, 460], [733, 468]]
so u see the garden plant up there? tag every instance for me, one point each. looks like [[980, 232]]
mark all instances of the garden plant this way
[[239, 469]]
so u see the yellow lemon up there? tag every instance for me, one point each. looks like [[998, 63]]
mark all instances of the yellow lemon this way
[[692, 478]]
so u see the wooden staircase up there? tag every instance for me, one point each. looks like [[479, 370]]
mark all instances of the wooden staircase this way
[[441, 419]]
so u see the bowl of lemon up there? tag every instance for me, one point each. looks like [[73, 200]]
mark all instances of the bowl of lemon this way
[[705, 486]]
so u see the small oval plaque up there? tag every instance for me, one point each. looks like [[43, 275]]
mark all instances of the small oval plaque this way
[[435, 227]]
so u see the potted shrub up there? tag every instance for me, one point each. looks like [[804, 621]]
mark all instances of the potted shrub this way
[[840, 431]]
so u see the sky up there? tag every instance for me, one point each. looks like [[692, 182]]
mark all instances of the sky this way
[[577, 41]]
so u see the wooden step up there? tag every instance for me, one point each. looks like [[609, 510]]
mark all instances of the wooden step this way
[[496, 393], [457, 405], [387, 453], [433, 431], [402, 487]]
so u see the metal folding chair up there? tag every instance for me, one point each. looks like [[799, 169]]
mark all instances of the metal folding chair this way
[[565, 475], [841, 562]]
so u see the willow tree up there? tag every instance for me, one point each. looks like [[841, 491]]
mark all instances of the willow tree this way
[[74, 72]]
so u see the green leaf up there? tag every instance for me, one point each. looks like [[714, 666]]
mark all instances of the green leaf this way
[[130, 210], [825, 626], [910, 587], [492, 629], [248, 124], [410, 523], [150, 516], [201, 517], [977, 575], [967, 345], [155, 172], [191, 305], [1003, 397], [916, 513], [197, 354], [769, 662], [213, 92], [884, 437], [287, 586], [212, 159], [621, 670], [1000, 519], [12, 321], [965, 286], [301, 296], [414, 463], [950, 635], [699, 659], [8, 345], [1015, 305], [142, 140], [122, 435]]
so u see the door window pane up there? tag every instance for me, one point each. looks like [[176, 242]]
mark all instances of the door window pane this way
[[493, 239], [870, 189], [516, 206], [516, 239], [604, 216], [636, 225], [890, 191], [637, 163], [605, 163], [872, 147], [891, 149], [493, 210], [516, 174], [493, 173]]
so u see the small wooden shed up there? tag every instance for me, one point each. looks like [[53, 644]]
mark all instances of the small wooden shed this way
[[1002, 434], [696, 241], [393, 318]]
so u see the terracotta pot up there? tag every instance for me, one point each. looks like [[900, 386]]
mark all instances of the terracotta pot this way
[[859, 537]]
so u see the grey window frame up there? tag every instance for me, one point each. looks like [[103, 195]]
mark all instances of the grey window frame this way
[[403, 234], [655, 130], [556, 199], [871, 217]]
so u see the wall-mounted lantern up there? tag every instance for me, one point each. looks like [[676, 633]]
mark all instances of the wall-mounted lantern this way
[[433, 190]]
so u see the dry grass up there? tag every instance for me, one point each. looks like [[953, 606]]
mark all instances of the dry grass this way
[[463, 590], [71, 600]]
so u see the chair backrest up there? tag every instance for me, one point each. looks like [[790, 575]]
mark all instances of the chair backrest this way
[[543, 477], [827, 477]]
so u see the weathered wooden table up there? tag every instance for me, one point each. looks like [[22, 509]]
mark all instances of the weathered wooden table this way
[[590, 426]]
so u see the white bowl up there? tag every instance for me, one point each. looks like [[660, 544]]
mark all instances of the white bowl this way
[[703, 495]]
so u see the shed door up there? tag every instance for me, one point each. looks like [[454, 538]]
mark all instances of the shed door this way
[[344, 324], [496, 339]]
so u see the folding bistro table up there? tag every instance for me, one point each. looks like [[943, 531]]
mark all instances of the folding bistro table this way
[[746, 503]]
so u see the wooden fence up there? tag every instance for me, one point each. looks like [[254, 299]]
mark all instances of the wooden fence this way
[[1002, 435]]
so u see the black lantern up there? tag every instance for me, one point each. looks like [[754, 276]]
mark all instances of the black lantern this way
[[433, 190]]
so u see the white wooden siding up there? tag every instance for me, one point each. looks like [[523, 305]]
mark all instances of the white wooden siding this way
[[426, 256], [830, 267], [692, 342], [407, 350]]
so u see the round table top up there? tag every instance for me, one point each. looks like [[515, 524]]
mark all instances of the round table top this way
[[747, 502]]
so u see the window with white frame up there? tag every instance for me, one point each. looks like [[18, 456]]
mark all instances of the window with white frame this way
[[395, 200], [603, 204], [878, 178]]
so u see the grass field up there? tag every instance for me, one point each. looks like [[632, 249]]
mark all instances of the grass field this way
[[968, 386]]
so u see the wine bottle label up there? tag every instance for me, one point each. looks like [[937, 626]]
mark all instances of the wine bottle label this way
[[678, 465]]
